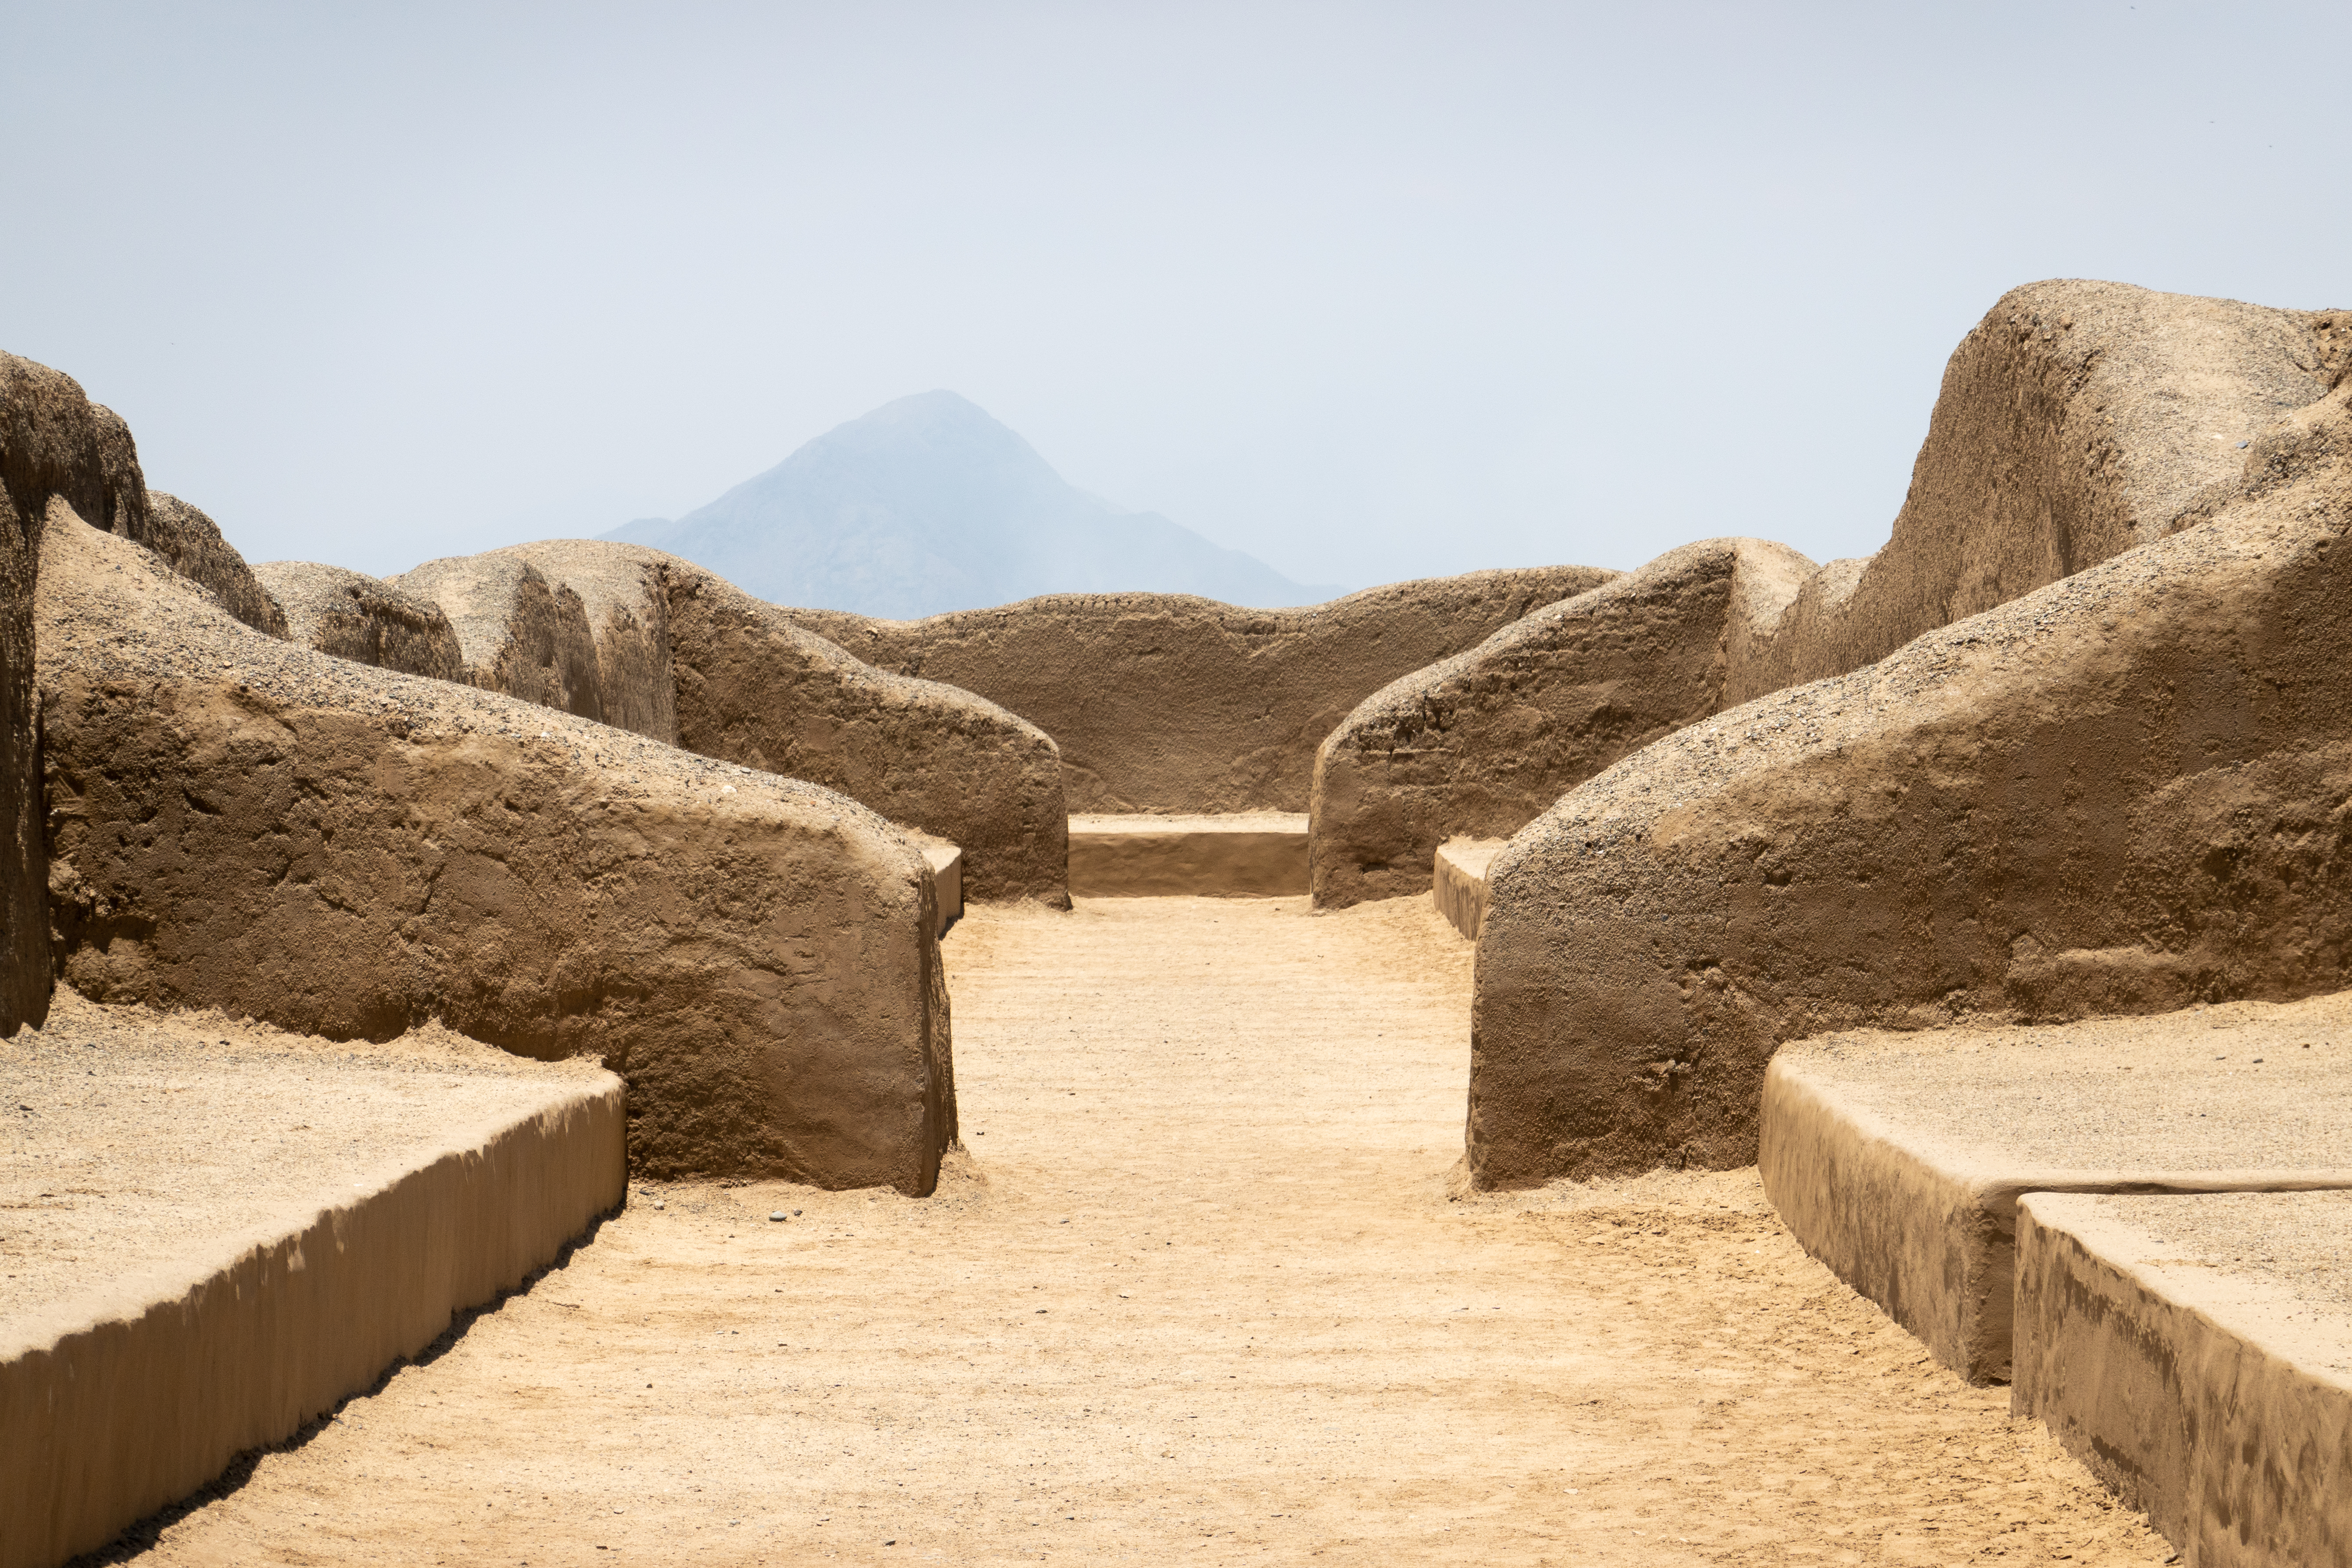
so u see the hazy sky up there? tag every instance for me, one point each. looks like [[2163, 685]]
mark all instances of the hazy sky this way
[[1371, 292]]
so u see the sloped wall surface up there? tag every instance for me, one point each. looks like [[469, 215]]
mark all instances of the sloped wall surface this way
[[2076, 420], [365, 620], [1481, 743], [241, 823], [517, 632], [753, 688], [651, 643], [2121, 792], [1163, 702]]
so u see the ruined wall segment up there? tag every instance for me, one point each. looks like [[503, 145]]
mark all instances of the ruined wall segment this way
[[626, 609], [242, 823], [51, 448], [2114, 794], [2076, 420], [1164, 702], [1481, 744], [365, 620], [517, 632], [657, 646], [190, 543], [753, 688]]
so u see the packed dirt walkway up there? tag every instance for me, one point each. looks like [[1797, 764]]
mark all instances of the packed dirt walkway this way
[[1197, 1293]]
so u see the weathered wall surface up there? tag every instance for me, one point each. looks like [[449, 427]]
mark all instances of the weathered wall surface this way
[[1167, 703], [755, 689], [2208, 1391], [191, 544], [2122, 793], [647, 642], [1480, 744], [517, 632], [626, 608], [353, 616], [51, 446], [2077, 420], [242, 823]]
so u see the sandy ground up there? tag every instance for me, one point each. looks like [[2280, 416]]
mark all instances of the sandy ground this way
[[1197, 1293]]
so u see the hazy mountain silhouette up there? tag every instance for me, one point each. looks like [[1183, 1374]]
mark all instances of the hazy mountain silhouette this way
[[928, 504]]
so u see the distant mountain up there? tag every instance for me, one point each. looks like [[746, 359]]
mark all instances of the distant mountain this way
[[928, 504]]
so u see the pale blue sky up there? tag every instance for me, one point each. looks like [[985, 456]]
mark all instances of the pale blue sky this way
[[1371, 291]]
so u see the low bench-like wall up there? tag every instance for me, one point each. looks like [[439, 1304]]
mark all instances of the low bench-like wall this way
[[115, 1404], [1898, 1159], [1249, 853], [1459, 886], [2196, 1354]]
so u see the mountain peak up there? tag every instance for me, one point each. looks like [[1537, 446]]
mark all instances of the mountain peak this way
[[929, 503]]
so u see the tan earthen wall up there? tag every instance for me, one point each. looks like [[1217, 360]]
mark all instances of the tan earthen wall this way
[[2076, 420], [240, 823], [362, 618], [2118, 794], [1165, 702], [1481, 743]]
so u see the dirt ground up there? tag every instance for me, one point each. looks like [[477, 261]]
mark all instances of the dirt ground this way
[[1197, 1292]]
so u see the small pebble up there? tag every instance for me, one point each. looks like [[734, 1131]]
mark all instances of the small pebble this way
[[779, 1215]]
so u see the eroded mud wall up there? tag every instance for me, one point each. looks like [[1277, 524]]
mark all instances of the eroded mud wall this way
[[1483, 743], [2122, 793], [353, 616], [241, 823], [1167, 703], [2076, 420]]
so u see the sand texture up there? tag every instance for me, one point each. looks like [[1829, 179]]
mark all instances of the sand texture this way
[[238, 822], [1481, 744], [2102, 797], [1197, 1292], [1164, 702]]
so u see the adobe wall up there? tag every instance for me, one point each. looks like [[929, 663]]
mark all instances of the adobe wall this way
[[627, 613], [353, 616], [753, 688], [1165, 702], [648, 642], [2076, 420], [2114, 794], [190, 543], [517, 632], [1480, 744], [241, 823], [51, 446]]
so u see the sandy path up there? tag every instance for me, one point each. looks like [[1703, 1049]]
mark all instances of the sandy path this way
[[1197, 1294]]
